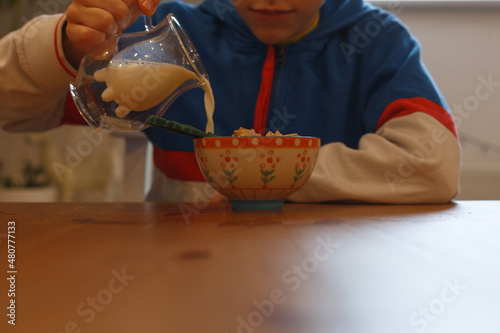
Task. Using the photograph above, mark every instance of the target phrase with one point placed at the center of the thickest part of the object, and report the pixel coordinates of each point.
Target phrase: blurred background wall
(460, 46)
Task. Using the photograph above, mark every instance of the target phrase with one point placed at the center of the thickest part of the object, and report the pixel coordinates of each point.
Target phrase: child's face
(276, 21)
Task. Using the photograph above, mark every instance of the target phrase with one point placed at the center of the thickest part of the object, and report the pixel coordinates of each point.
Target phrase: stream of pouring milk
(139, 86)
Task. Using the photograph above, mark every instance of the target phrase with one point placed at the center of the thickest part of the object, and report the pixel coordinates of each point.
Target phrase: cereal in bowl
(251, 132)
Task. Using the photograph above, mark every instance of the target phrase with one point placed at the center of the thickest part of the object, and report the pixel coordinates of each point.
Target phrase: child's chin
(272, 39)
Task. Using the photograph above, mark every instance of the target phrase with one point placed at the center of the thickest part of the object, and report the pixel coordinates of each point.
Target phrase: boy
(341, 70)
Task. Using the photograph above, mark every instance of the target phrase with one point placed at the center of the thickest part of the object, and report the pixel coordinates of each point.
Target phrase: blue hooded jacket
(359, 68)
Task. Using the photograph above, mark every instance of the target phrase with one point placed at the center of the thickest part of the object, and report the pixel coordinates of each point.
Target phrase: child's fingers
(92, 19)
(108, 16)
(92, 25)
(119, 9)
(84, 38)
(148, 7)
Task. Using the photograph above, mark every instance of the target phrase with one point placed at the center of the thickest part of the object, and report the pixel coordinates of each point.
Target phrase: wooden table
(129, 267)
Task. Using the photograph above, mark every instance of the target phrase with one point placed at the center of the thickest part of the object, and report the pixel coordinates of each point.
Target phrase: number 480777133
(11, 231)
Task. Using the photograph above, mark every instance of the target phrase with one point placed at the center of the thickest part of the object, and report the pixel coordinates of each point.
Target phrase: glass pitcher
(142, 77)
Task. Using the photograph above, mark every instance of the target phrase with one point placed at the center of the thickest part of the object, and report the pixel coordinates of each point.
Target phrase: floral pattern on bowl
(257, 168)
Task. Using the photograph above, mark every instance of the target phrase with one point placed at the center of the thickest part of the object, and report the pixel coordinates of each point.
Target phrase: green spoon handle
(176, 127)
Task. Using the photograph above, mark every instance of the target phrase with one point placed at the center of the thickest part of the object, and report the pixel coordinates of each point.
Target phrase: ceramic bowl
(257, 172)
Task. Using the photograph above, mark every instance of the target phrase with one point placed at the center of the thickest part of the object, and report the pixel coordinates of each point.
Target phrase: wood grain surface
(152, 267)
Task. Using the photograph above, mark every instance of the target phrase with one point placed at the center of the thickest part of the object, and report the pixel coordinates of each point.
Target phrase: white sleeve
(34, 75)
(410, 159)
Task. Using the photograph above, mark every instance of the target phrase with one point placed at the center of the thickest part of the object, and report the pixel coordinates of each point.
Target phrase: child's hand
(92, 25)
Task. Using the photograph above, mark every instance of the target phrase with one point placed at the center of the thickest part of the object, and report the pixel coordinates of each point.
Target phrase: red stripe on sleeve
(58, 56)
(406, 106)
(266, 86)
(180, 165)
(71, 115)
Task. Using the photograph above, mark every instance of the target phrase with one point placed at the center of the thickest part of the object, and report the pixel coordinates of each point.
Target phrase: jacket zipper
(280, 59)
(278, 76)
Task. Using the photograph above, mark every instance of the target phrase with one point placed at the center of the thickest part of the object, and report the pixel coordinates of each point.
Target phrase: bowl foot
(256, 204)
